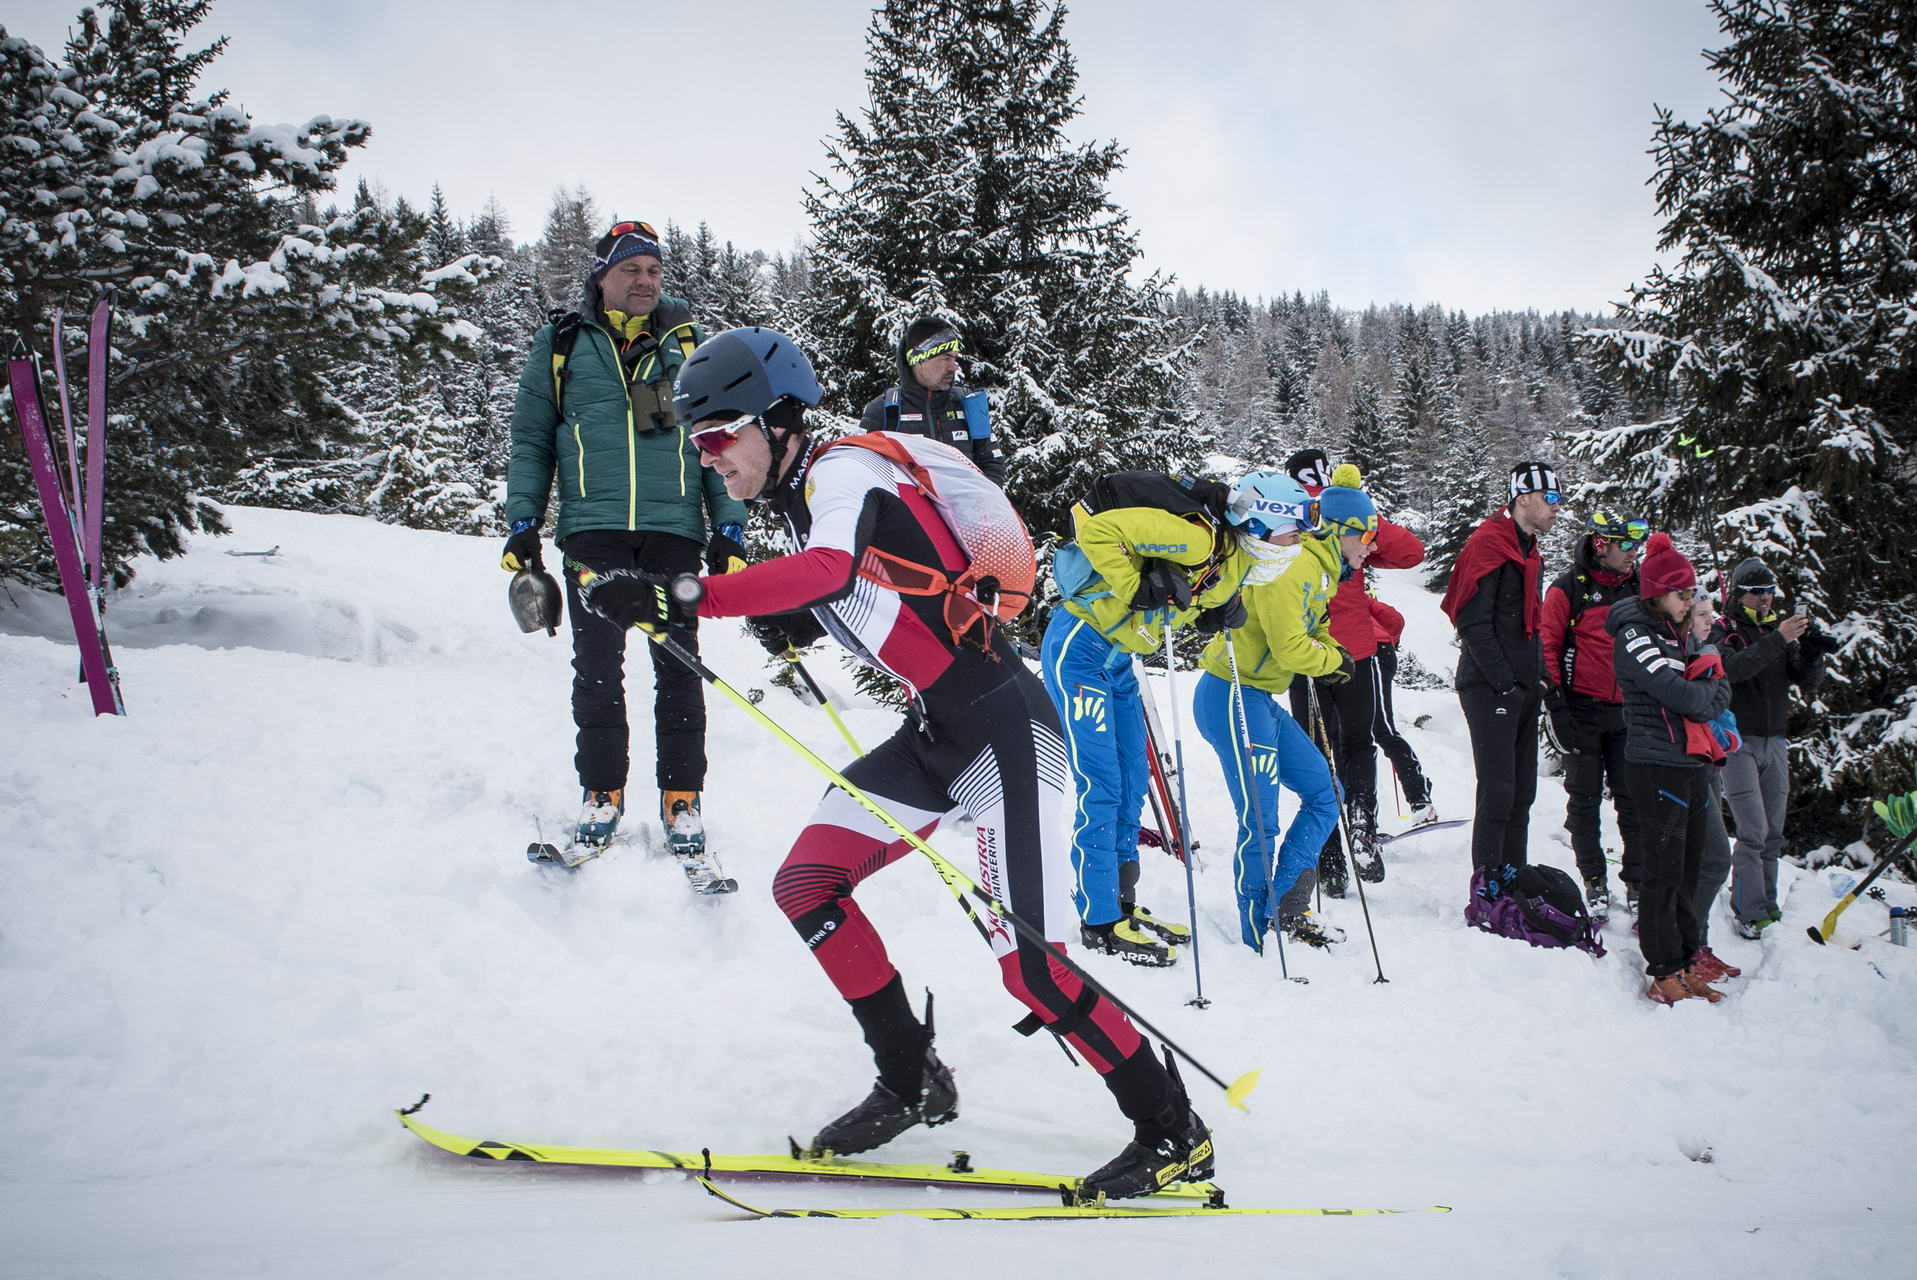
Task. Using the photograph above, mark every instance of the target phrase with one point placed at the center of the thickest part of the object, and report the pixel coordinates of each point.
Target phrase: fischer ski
(1067, 1209)
(959, 1173)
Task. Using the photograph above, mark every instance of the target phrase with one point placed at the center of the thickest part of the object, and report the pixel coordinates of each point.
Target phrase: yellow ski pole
(818, 695)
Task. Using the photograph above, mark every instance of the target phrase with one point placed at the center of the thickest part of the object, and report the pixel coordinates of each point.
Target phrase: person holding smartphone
(1765, 654)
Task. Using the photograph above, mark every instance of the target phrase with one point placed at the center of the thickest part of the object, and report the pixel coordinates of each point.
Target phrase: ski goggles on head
(943, 343)
(1628, 534)
(713, 441)
(624, 240)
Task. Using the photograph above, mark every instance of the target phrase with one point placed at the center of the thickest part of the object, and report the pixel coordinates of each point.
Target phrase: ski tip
(1241, 1088)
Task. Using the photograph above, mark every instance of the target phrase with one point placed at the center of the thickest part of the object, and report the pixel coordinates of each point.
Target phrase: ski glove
(1225, 617)
(522, 548)
(1346, 669)
(770, 632)
(650, 601)
(724, 553)
(1161, 585)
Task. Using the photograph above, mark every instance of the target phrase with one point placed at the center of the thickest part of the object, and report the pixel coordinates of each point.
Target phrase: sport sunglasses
(714, 441)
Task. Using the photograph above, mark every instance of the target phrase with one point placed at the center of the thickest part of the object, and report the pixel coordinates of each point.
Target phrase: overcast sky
(1476, 153)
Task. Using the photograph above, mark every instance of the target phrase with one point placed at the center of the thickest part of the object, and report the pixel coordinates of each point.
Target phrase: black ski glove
(1224, 617)
(724, 552)
(1559, 724)
(1346, 669)
(1161, 585)
(522, 548)
(769, 631)
(650, 601)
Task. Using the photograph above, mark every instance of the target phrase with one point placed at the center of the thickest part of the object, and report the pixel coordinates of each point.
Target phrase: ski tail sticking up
(24, 379)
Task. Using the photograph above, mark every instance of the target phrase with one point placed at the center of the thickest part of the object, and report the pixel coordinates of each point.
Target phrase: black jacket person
(931, 401)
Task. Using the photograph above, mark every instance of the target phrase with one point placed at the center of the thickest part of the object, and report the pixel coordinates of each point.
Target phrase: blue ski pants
(1092, 683)
(1281, 753)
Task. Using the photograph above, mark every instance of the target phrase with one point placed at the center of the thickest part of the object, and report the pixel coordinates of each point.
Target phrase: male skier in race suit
(982, 739)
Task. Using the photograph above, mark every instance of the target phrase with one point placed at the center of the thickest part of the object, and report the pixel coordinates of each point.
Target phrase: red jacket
(1590, 591)
(1388, 622)
(1351, 621)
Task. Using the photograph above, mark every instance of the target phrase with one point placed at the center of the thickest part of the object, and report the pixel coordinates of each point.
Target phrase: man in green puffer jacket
(598, 419)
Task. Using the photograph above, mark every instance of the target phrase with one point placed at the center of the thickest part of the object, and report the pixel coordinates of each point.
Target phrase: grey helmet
(746, 372)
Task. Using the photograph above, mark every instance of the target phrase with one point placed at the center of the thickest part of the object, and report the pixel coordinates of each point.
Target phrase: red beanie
(1664, 568)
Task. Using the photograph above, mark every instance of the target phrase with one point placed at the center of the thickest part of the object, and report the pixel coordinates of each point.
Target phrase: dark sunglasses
(1759, 591)
(714, 441)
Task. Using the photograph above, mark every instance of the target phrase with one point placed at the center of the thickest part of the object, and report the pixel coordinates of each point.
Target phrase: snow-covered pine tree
(565, 248)
(116, 169)
(445, 241)
(1777, 352)
(425, 480)
(957, 193)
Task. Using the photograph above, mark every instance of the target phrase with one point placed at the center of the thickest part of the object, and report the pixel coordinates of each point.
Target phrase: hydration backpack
(997, 585)
(1539, 905)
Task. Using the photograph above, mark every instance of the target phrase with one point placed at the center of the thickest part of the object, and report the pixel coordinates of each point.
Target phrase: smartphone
(1801, 608)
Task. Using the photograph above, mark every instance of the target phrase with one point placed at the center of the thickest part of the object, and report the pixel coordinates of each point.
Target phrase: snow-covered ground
(287, 894)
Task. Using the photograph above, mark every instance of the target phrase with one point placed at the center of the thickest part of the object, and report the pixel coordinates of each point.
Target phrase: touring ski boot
(888, 1111)
(1423, 815)
(685, 830)
(1124, 939)
(599, 817)
(1311, 931)
(1331, 870)
(1597, 898)
(1147, 924)
(1366, 855)
(1174, 1146)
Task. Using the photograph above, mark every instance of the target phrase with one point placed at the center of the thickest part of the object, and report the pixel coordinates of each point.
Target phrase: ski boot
(1630, 897)
(1173, 1147)
(884, 1115)
(599, 817)
(1331, 871)
(1124, 939)
(1423, 815)
(1311, 931)
(1148, 925)
(686, 840)
(1597, 898)
(1366, 855)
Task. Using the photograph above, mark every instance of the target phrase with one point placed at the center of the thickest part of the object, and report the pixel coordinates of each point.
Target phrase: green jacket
(1118, 541)
(1287, 627)
(621, 457)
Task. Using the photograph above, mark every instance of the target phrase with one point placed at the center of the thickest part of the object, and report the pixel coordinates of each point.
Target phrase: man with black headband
(595, 414)
(931, 401)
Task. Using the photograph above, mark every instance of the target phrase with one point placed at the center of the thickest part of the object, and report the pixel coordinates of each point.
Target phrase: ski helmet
(1266, 502)
(744, 372)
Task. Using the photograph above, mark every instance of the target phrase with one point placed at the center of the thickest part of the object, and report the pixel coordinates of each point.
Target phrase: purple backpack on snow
(1540, 905)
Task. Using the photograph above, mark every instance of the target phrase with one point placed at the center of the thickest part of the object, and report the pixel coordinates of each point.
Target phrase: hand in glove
(724, 552)
(522, 548)
(1161, 585)
(1224, 617)
(1346, 669)
(1559, 724)
(650, 601)
(769, 630)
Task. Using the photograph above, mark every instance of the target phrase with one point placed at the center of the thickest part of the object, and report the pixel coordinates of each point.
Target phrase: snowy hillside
(287, 894)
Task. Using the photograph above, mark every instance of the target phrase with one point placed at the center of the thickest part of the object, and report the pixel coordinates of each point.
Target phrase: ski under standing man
(1286, 632)
(1152, 554)
(1584, 703)
(931, 401)
(981, 739)
(1493, 599)
(595, 413)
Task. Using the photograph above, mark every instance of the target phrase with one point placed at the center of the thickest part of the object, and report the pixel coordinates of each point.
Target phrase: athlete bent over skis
(982, 739)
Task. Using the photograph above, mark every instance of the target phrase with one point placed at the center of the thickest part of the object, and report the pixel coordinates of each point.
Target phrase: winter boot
(1668, 989)
(599, 816)
(1752, 930)
(1597, 897)
(1124, 939)
(913, 1087)
(1630, 897)
(1173, 1146)
(1695, 983)
(1311, 931)
(1713, 969)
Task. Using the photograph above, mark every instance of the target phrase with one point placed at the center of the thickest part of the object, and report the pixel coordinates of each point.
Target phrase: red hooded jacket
(1396, 548)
